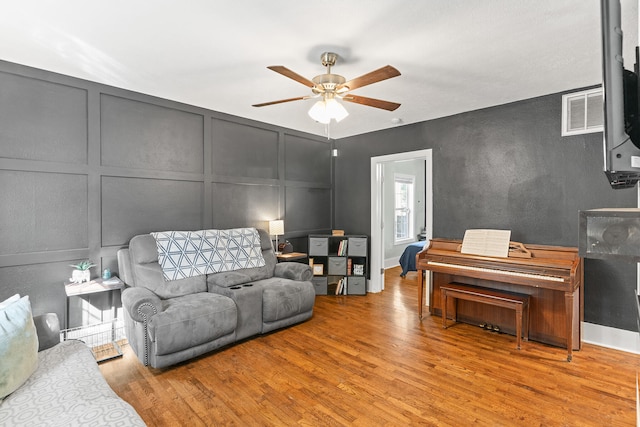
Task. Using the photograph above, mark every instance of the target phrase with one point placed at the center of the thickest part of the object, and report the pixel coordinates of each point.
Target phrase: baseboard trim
(391, 262)
(606, 336)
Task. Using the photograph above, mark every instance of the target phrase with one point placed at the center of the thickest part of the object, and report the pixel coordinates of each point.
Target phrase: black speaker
(610, 234)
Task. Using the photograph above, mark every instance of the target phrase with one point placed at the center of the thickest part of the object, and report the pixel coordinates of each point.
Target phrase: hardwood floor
(369, 361)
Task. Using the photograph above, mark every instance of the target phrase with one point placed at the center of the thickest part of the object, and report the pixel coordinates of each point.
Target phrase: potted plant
(81, 272)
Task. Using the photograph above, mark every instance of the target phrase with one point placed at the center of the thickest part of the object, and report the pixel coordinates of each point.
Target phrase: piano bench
(512, 300)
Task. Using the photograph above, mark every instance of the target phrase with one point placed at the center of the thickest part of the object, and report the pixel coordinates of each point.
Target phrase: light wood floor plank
(369, 361)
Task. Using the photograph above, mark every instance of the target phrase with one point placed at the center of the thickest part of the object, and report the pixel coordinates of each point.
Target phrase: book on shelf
(358, 269)
(342, 247)
(341, 288)
(349, 266)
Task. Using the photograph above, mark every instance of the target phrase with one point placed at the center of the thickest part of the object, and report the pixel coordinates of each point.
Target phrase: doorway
(379, 200)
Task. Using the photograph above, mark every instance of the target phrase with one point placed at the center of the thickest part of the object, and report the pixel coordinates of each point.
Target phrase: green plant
(83, 266)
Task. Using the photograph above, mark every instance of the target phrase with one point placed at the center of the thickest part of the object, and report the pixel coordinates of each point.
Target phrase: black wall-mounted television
(621, 102)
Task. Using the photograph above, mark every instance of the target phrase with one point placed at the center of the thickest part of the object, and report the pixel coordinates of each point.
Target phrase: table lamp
(276, 228)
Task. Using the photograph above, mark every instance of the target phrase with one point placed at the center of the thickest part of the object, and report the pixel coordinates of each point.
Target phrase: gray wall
(84, 167)
(503, 167)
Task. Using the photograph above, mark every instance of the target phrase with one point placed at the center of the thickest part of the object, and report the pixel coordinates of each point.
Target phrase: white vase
(80, 276)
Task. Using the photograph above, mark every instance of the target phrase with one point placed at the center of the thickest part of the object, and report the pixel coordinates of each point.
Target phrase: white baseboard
(606, 336)
(391, 262)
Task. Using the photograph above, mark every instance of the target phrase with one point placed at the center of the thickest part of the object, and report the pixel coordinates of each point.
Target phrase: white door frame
(376, 282)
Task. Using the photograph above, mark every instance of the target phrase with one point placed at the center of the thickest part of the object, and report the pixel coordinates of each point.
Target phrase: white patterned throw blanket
(183, 254)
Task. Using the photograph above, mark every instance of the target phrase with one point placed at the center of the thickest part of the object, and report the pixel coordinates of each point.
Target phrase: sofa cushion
(18, 344)
(190, 320)
(284, 298)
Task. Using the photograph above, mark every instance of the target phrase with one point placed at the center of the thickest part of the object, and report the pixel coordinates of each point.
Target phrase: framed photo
(318, 269)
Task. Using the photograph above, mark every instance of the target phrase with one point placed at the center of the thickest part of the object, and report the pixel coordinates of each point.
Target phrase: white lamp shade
(336, 110)
(276, 227)
(325, 110)
(319, 113)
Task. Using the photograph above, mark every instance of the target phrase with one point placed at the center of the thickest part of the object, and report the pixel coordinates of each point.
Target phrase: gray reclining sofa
(170, 321)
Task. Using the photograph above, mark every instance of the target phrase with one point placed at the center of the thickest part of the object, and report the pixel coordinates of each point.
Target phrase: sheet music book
(486, 242)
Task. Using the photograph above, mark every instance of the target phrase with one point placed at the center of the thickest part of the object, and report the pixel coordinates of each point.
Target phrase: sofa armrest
(141, 303)
(293, 271)
(48, 330)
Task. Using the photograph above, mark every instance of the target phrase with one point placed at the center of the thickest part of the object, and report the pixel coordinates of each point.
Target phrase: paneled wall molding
(243, 180)
(44, 257)
(84, 167)
(290, 183)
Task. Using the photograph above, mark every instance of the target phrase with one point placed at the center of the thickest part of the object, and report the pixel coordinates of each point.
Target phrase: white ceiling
(454, 56)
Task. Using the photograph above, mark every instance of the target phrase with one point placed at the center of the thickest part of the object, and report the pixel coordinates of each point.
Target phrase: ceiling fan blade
(264, 104)
(372, 102)
(292, 75)
(378, 75)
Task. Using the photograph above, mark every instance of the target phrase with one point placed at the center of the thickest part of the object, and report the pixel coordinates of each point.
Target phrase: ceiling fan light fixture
(331, 87)
(326, 109)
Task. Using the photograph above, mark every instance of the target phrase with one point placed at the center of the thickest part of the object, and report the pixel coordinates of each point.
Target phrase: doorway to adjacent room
(383, 169)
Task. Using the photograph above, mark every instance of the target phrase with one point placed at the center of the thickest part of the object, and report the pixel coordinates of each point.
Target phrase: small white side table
(94, 286)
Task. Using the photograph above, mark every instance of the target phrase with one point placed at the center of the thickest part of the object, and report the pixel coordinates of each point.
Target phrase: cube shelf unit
(339, 260)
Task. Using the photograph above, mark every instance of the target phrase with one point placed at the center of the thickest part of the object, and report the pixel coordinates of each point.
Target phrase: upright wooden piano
(551, 275)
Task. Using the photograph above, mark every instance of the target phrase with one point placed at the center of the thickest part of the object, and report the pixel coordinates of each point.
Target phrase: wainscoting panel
(241, 150)
(244, 205)
(133, 206)
(44, 283)
(308, 209)
(41, 120)
(307, 160)
(141, 135)
(42, 212)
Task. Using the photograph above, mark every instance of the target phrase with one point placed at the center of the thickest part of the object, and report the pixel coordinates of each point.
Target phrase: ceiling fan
(330, 87)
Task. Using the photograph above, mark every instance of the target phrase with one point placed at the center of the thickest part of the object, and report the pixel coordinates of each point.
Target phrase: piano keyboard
(489, 270)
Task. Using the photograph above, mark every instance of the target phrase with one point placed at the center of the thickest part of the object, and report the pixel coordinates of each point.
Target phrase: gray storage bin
(318, 246)
(357, 246)
(337, 265)
(356, 285)
(320, 285)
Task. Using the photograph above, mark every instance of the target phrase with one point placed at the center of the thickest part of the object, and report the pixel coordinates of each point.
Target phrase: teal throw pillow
(18, 344)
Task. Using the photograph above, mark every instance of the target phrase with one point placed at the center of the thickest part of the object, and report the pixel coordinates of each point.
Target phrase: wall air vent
(582, 112)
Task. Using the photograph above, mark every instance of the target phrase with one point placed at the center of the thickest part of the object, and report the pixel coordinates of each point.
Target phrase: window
(403, 218)
(582, 112)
